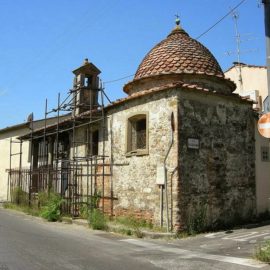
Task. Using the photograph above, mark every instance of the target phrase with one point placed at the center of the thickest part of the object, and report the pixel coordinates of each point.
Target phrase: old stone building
(179, 148)
(251, 81)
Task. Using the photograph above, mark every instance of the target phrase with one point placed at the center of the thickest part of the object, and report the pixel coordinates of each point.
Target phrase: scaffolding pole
(82, 179)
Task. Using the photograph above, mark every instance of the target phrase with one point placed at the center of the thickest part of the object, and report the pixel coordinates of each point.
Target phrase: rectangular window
(42, 153)
(94, 142)
(265, 153)
(92, 139)
(137, 134)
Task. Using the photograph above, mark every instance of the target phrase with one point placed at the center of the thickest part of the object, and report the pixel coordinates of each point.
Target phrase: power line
(116, 80)
(202, 34)
(221, 19)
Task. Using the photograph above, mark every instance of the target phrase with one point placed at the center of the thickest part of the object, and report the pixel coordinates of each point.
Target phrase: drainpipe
(161, 204)
(171, 221)
(267, 37)
(165, 173)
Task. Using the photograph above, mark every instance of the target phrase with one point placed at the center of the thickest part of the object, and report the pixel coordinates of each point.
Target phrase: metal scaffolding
(15, 181)
(57, 162)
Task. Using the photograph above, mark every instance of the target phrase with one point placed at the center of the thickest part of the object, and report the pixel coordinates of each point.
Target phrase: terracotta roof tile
(176, 53)
(192, 87)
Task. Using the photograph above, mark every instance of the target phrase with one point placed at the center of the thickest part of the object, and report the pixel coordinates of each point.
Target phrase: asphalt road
(29, 243)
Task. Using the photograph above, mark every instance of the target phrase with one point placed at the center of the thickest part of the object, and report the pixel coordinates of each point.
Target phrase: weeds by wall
(52, 207)
(19, 197)
(197, 220)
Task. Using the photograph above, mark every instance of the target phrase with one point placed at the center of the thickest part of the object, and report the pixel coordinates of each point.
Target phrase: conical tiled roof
(178, 53)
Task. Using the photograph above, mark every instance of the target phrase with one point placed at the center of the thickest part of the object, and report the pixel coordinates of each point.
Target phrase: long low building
(16, 153)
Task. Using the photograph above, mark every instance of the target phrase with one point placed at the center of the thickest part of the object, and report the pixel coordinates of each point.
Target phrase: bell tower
(85, 88)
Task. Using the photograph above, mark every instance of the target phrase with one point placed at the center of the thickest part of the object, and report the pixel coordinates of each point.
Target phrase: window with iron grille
(42, 153)
(137, 134)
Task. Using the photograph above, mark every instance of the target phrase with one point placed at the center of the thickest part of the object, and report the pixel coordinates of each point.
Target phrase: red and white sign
(264, 125)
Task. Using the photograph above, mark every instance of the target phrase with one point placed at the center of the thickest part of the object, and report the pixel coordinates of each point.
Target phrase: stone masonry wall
(134, 177)
(217, 181)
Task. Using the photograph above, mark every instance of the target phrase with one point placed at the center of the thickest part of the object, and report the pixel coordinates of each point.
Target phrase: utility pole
(267, 37)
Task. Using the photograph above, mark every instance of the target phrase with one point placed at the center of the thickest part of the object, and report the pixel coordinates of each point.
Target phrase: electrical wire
(220, 20)
(120, 79)
(202, 34)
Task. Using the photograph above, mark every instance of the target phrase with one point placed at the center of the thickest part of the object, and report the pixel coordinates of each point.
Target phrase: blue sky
(41, 42)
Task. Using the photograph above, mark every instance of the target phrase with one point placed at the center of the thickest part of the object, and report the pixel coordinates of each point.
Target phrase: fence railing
(77, 184)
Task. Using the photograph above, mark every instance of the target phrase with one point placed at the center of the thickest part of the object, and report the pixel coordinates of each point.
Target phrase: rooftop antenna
(238, 51)
(235, 16)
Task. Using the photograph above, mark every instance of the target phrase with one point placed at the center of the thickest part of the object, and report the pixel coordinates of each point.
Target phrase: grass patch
(48, 206)
(129, 225)
(262, 252)
(22, 208)
(133, 222)
(132, 225)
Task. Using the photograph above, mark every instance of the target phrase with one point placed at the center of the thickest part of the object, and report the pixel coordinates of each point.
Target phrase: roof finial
(85, 62)
(178, 28)
(177, 22)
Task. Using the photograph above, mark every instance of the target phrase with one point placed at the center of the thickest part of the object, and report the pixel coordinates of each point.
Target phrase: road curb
(139, 232)
(81, 222)
(157, 235)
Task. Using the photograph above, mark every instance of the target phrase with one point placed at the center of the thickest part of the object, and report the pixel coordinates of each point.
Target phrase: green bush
(52, 208)
(263, 252)
(43, 198)
(97, 220)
